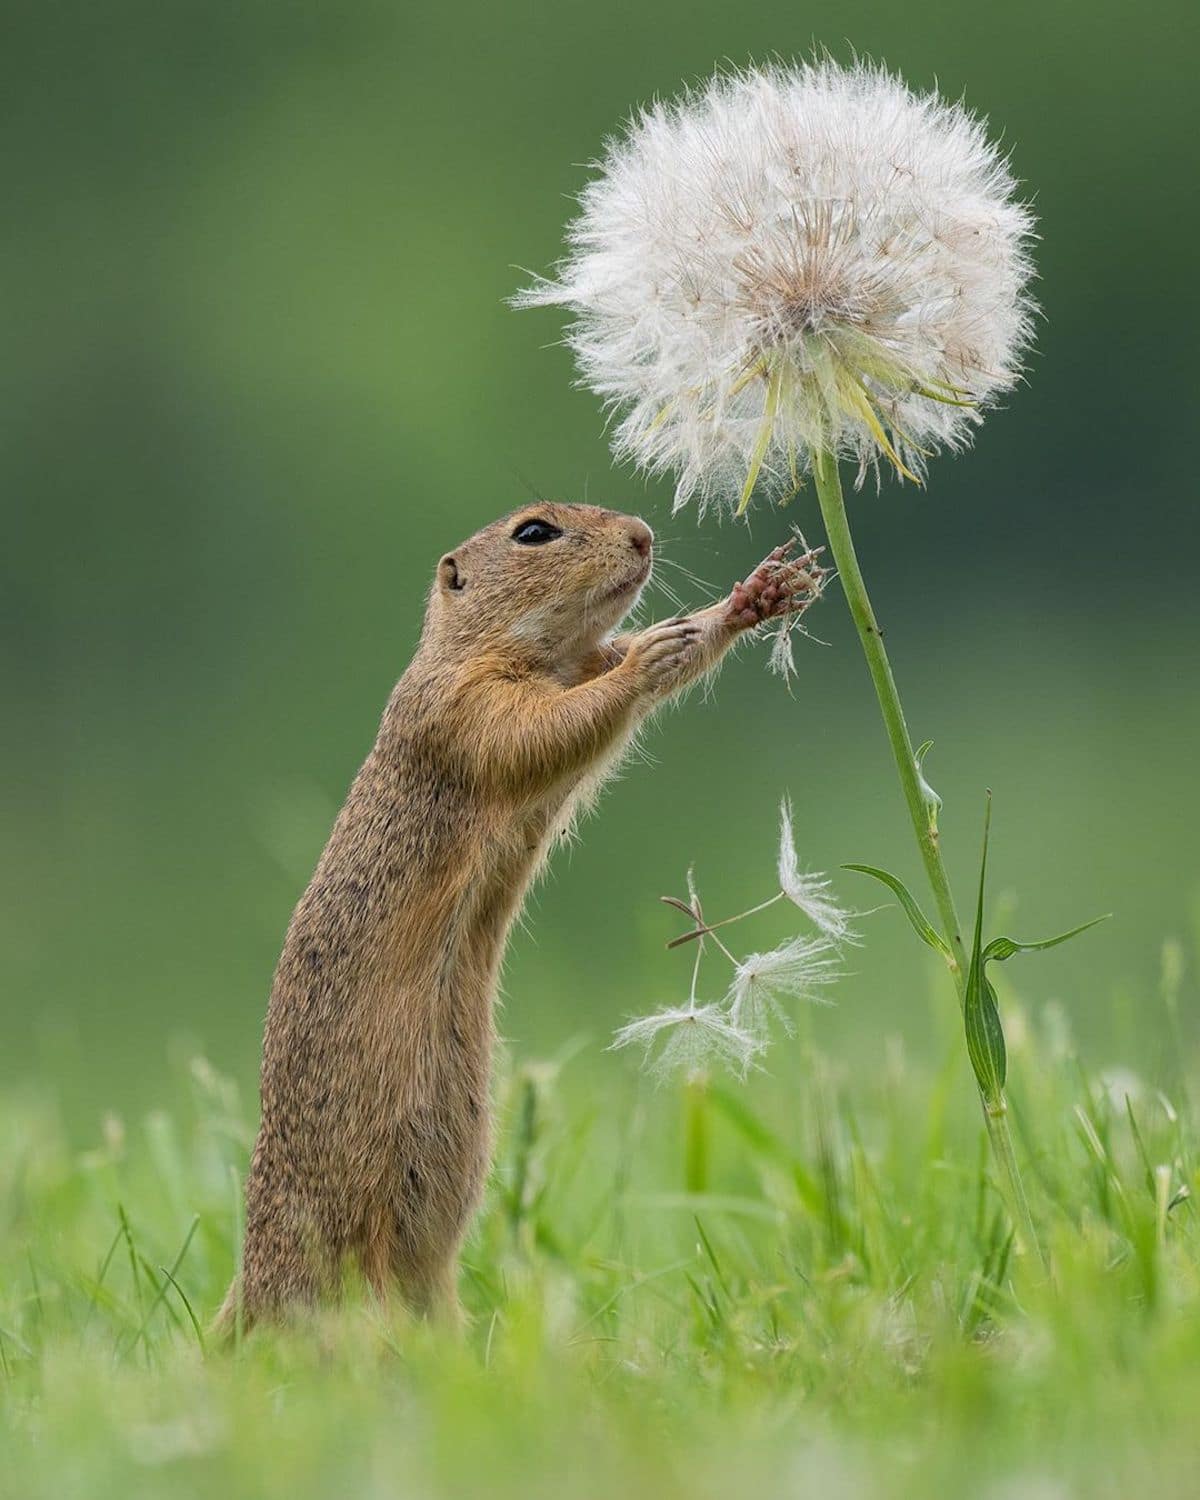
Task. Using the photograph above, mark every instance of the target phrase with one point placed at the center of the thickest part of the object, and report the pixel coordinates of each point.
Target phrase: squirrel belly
(374, 1141)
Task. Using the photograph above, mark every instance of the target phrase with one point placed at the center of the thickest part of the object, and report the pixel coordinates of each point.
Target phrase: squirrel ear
(448, 575)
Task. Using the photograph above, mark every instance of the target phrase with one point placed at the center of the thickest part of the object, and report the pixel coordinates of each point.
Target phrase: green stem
(920, 811)
(695, 1146)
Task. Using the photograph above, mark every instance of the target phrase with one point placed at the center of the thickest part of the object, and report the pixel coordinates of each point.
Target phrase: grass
(804, 1285)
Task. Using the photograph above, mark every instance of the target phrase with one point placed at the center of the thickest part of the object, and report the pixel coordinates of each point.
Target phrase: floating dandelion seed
(738, 1029)
(796, 261)
(799, 969)
(813, 894)
(782, 660)
(696, 1035)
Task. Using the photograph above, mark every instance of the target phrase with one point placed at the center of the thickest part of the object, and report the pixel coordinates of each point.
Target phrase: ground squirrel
(374, 1141)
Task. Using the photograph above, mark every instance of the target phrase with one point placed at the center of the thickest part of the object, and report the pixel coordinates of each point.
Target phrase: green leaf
(933, 803)
(981, 1017)
(985, 1041)
(920, 923)
(1002, 948)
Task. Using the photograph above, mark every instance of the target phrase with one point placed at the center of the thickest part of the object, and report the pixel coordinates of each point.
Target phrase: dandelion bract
(790, 261)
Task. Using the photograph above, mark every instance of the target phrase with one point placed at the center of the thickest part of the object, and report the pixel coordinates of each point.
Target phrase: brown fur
(374, 1141)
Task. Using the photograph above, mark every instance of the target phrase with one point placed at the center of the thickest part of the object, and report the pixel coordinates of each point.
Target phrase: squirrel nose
(641, 537)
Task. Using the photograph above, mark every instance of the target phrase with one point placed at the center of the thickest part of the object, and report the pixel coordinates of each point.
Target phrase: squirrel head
(546, 580)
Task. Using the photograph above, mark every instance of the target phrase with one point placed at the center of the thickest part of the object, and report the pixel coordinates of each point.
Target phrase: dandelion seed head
(813, 894)
(793, 260)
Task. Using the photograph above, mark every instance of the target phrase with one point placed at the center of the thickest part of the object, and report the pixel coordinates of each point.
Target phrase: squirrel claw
(780, 585)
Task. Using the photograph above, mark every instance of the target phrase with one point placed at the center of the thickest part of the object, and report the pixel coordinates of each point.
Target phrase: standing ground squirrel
(375, 1132)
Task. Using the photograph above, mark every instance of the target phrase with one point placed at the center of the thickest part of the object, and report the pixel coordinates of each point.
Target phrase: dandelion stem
(923, 816)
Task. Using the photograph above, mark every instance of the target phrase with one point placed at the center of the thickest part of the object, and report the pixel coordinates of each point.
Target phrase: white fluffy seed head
(794, 260)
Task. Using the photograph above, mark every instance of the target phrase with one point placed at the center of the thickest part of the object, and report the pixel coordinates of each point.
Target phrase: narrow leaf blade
(1002, 948)
(920, 923)
(981, 1017)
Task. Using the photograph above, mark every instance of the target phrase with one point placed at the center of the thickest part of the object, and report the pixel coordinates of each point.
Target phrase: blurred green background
(258, 373)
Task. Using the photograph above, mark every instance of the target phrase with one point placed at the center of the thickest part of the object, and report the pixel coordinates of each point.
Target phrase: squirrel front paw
(664, 654)
(780, 585)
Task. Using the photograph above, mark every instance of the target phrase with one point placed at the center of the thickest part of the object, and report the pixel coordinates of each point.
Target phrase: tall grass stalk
(695, 1161)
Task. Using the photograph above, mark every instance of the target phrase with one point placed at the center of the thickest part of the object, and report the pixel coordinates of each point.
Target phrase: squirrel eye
(536, 533)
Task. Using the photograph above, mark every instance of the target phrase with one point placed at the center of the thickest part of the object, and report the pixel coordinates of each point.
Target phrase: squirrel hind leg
(281, 1272)
(433, 1294)
(427, 1285)
(249, 1303)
